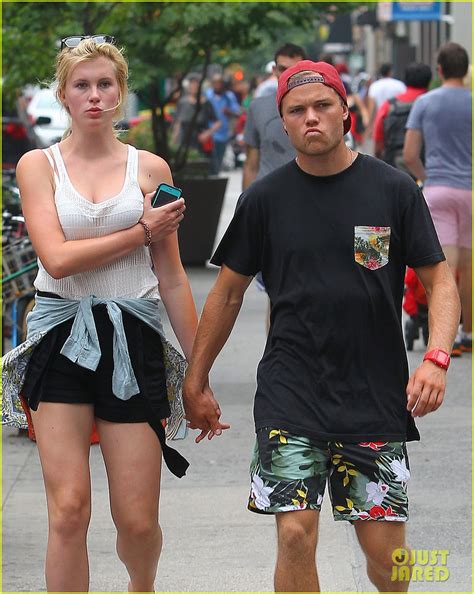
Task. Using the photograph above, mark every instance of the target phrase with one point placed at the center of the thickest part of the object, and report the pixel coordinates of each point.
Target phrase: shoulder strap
(401, 107)
(53, 165)
(132, 163)
(58, 160)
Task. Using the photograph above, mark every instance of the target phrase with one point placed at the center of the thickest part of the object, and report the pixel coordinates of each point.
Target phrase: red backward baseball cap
(323, 73)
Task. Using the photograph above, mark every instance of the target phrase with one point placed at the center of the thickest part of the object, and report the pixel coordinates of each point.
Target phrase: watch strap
(439, 357)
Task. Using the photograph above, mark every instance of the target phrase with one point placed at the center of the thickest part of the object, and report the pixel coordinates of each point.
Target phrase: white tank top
(130, 276)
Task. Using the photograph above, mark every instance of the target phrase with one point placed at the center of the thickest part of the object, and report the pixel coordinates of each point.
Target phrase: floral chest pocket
(371, 246)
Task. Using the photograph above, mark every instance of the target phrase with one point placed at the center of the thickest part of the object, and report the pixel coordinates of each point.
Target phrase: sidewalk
(211, 542)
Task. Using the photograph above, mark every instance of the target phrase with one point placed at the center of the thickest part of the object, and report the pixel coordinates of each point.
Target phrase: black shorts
(52, 377)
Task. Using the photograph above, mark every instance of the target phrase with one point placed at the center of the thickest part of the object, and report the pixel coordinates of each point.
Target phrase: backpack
(394, 133)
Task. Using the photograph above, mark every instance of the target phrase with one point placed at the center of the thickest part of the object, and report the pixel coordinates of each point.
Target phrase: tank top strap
(54, 167)
(132, 163)
(58, 159)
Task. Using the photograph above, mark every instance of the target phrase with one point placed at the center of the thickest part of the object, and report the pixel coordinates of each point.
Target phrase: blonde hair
(88, 49)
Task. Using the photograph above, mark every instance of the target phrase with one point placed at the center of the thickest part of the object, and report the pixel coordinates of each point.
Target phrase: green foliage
(140, 136)
(168, 37)
(31, 32)
(161, 39)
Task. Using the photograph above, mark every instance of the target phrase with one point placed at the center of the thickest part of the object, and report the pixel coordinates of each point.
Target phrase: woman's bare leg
(132, 455)
(63, 434)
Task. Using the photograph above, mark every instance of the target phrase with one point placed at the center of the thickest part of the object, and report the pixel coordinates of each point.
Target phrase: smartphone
(165, 194)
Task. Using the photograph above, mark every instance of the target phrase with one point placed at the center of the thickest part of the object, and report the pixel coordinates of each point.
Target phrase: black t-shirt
(333, 252)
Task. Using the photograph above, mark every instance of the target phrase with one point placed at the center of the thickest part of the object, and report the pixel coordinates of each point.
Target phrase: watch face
(438, 357)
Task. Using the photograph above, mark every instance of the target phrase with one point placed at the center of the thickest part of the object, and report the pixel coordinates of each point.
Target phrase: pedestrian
(326, 57)
(332, 232)
(267, 146)
(266, 143)
(385, 87)
(357, 108)
(391, 118)
(269, 85)
(226, 107)
(201, 126)
(440, 124)
(99, 349)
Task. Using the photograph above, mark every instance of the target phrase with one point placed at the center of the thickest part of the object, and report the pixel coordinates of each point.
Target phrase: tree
(161, 39)
(31, 33)
(172, 37)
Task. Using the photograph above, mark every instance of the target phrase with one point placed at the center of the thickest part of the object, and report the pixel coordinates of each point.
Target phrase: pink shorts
(451, 211)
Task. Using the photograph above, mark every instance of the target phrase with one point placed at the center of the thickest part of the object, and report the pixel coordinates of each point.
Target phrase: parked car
(47, 117)
(16, 139)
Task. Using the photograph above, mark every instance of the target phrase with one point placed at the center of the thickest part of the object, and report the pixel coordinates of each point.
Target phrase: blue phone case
(165, 194)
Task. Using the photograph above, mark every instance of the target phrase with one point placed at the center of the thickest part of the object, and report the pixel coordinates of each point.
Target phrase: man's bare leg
(296, 562)
(378, 541)
(465, 287)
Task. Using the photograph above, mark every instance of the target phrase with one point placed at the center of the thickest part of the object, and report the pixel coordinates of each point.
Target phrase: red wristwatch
(438, 357)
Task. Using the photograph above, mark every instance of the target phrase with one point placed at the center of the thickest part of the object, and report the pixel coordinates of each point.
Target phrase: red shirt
(407, 97)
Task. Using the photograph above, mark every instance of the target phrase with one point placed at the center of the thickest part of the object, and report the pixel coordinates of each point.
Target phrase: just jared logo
(420, 565)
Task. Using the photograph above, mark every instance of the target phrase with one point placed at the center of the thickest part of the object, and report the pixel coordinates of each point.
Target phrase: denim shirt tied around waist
(82, 347)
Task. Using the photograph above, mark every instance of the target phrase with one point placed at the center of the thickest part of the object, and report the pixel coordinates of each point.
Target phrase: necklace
(352, 155)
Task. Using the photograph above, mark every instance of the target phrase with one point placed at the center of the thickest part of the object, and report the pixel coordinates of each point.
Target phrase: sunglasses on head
(75, 40)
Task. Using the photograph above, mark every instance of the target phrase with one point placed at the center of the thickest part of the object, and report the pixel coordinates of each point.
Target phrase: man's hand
(425, 389)
(202, 411)
(218, 317)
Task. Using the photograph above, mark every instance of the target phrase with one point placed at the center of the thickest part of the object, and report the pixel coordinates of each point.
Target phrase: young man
(391, 118)
(267, 145)
(386, 86)
(332, 233)
(441, 121)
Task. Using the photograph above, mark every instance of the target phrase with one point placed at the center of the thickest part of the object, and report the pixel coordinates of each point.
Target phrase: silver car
(47, 117)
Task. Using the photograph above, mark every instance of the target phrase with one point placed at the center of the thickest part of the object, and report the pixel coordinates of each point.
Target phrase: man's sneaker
(466, 344)
(457, 350)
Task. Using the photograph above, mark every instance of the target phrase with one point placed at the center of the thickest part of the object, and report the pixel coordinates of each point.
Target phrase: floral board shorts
(367, 481)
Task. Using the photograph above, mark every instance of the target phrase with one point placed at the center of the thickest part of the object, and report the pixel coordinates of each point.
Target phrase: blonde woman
(102, 354)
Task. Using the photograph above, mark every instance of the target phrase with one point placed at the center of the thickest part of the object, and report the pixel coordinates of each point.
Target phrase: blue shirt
(220, 102)
(444, 118)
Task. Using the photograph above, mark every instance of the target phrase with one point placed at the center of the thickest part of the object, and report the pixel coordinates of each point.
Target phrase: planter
(204, 197)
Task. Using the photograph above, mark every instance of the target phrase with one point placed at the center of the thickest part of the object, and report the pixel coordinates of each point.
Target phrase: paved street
(211, 542)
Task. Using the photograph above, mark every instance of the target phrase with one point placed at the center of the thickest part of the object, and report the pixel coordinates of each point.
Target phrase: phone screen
(165, 194)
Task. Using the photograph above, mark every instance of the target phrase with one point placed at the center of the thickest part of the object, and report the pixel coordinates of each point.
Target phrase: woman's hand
(202, 410)
(162, 220)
